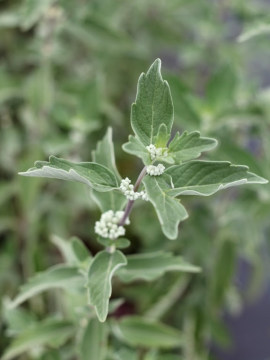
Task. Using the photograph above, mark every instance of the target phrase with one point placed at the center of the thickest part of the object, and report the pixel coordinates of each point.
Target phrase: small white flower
(108, 227)
(153, 170)
(156, 152)
(128, 190)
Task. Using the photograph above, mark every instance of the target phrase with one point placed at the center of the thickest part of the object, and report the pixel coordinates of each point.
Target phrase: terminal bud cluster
(156, 152)
(108, 227)
(153, 170)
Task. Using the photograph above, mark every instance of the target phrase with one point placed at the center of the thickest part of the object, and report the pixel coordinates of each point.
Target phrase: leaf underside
(92, 174)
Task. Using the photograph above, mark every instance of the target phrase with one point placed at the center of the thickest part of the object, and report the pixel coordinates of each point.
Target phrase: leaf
(17, 319)
(93, 341)
(189, 146)
(100, 275)
(104, 155)
(68, 249)
(259, 29)
(32, 11)
(207, 177)
(80, 250)
(151, 266)
(223, 269)
(169, 211)
(135, 147)
(38, 335)
(137, 331)
(60, 276)
(94, 175)
(153, 105)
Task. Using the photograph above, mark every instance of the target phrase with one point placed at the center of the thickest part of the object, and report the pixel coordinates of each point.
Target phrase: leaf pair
(151, 120)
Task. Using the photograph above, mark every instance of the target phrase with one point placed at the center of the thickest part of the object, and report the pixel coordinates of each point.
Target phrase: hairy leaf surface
(207, 177)
(135, 147)
(100, 275)
(153, 265)
(104, 155)
(38, 335)
(92, 174)
(138, 331)
(60, 276)
(188, 146)
(169, 210)
(153, 105)
(93, 341)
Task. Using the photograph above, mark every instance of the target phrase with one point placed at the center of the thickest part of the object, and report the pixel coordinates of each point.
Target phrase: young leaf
(140, 332)
(135, 147)
(60, 276)
(207, 177)
(104, 155)
(93, 341)
(100, 275)
(163, 136)
(189, 146)
(169, 211)
(38, 335)
(153, 105)
(153, 265)
(94, 175)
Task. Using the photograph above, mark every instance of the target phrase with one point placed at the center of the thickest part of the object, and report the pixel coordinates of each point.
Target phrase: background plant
(66, 72)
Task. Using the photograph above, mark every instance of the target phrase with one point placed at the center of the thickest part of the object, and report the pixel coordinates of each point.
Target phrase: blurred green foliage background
(69, 69)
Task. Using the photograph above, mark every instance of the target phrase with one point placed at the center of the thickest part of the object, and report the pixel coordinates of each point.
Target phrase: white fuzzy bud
(128, 190)
(153, 170)
(108, 227)
(156, 152)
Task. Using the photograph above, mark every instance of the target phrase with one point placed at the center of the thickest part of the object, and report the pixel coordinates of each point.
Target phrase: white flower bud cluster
(128, 190)
(108, 227)
(156, 152)
(153, 170)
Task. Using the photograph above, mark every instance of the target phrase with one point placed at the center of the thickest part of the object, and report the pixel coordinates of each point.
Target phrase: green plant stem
(131, 202)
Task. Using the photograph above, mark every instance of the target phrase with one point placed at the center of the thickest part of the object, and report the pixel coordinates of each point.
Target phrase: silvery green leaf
(104, 155)
(207, 177)
(153, 105)
(93, 341)
(162, 137)
(256, 30)
(72, 252)
(169, 210)
(100, 275)
(135, 147)
(94, 175)
(151, 266)
(188, 146)
(60, 276)
(140, 332)
(39, 335)
(32, 11)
